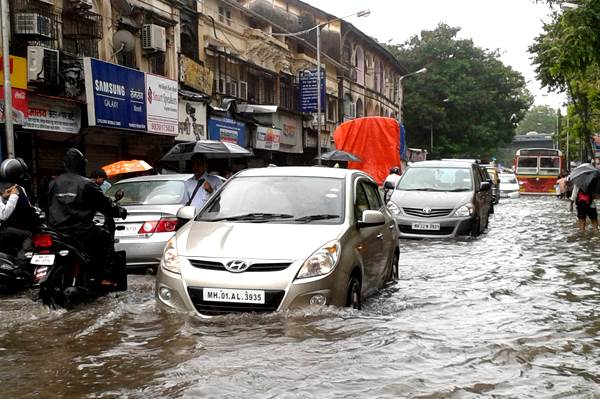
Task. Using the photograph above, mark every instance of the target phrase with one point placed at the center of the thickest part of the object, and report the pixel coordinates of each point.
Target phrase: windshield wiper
(455, 190)
(418, 189)
(255, 216)
(310, 218)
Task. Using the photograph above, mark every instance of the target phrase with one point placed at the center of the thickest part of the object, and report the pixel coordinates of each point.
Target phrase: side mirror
(371, 219)
(186, 213)
(388, 185)
(119, 195)
(485, 186)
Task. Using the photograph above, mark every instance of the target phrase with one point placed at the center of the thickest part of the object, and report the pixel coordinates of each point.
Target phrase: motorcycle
(66, 276)
(12, 279)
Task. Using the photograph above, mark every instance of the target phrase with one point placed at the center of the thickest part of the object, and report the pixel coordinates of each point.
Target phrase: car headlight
(393, 208)
(321, 262)
(170, 260)
(465, 210)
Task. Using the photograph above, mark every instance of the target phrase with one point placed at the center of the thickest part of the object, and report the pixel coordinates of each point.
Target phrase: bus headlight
(465, 210)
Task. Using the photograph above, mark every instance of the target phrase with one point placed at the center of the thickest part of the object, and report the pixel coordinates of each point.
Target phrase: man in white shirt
(393, 178)
(200, 186)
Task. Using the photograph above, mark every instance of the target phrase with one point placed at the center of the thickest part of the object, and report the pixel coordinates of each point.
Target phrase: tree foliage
(539, 118)
(467, 100)
(567, 59)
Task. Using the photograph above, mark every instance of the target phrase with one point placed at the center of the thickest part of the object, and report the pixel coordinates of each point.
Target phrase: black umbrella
(339, 155)
(210, 148)
(586, 177)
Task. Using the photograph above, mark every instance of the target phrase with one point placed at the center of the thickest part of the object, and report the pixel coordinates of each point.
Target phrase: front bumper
(282, 290)
(449, 226)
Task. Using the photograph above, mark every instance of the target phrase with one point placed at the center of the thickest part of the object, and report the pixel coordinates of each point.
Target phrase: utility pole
(8, 114)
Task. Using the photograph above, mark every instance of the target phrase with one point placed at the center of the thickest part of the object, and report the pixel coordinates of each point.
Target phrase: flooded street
(513, 314)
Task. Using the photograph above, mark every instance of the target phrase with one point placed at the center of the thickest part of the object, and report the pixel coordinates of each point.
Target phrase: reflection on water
(514, 313)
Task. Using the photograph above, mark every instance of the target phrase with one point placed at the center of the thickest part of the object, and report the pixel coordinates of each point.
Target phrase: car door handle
(380, 236)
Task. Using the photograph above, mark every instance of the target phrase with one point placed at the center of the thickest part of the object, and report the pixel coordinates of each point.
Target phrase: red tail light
(42, 240)
(167, 225)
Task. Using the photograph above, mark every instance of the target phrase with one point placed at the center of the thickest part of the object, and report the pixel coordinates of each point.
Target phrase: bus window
(549, 166)
(527, 165)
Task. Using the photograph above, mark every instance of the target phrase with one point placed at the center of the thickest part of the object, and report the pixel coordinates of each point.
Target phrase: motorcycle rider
(17, 217)
(73, 200)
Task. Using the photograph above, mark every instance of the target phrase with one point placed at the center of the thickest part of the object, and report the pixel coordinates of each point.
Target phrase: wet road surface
(513, 314)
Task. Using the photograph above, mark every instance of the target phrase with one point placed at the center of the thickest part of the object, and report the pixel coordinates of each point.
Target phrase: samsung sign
(115, 95)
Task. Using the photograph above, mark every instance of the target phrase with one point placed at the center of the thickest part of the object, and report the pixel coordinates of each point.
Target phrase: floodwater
(512, 314)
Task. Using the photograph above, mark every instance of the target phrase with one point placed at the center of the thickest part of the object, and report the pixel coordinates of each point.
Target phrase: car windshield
(436, 179)
(278, 199)
(154, 192)
(508, 179)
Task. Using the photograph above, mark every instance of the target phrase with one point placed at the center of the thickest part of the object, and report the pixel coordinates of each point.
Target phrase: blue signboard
(308, 91)
(115, 95)
(227, 129)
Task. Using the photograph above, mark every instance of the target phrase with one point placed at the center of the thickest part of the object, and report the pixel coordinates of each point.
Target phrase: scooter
(65, 275)
(12, 279)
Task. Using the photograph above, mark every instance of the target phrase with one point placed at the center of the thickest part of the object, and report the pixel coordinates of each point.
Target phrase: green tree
(539, 118)
(468, 100)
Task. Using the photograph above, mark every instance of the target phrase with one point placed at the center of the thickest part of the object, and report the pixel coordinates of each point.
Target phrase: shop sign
(115, 95)
(192, 121)
(309, 87)
(267, 138)
(291, 133)
(20, 108)
(18, 72)
(195, 75)
(161, 108)
(53, 116)
(227, 129)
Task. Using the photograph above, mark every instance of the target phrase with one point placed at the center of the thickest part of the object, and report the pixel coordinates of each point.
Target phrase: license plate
(236, 296)
(46, 260)
(127, 229)
(425, 226)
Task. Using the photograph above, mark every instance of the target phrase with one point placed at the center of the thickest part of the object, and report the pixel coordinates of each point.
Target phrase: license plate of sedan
(127, 229)
(426, 226)
(236, 296)
(44, 260)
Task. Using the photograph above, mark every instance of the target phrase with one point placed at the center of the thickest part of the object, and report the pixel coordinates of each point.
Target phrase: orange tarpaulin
(375, 140)
(121, 167)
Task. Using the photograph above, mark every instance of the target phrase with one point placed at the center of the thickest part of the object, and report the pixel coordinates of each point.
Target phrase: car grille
(443, 231)
(209, 308)
(255, 267)
(435, 213)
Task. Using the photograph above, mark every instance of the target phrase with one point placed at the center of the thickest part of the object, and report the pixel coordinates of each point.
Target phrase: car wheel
(476, 227)
(393, 275)
(353, 298)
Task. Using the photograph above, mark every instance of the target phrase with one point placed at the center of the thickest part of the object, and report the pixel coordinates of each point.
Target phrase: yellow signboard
(195, 75)
(18, 72)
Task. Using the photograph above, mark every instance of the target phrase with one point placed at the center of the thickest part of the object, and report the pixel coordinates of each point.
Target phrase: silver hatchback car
(278, 238)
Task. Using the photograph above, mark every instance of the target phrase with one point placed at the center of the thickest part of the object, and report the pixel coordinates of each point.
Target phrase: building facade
(126, 79)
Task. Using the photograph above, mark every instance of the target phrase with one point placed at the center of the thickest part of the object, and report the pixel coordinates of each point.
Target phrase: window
(286, 92)
(225, 15)
(347, 53)
(549, 166)
(157, 63)
(332, 110)
(360, 109)
(349, 107)
(527, 165)
(359, 63)
(372, 192)
(361, 202)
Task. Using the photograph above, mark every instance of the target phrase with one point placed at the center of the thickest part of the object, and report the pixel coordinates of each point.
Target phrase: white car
(509, 185)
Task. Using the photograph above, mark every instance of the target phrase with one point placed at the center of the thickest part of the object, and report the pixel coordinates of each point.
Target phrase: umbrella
(586, 177)
(339, 155)
(210, 148)
(121, 167)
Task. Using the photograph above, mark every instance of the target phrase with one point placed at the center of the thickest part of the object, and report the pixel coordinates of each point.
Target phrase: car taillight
(166, 225)
(42, 241)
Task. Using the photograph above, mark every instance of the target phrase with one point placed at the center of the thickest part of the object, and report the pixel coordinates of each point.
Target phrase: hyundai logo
(426, 211)
(236, 266)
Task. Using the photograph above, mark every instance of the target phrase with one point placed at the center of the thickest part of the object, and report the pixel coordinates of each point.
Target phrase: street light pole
(363, 13)
(8, 121)
(401, 91)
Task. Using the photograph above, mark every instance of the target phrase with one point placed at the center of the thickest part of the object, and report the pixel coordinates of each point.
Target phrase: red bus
(538, 169)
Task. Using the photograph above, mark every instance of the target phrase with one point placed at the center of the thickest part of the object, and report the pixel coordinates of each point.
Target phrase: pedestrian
(393, 178)
(201, 185)
(101, 179)
(585, 203)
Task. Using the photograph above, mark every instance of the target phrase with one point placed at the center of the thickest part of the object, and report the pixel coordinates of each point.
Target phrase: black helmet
(395, 170)
(74, 161)
(13, 170)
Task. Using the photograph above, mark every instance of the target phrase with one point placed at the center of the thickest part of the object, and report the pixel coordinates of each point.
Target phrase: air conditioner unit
(243, 90)
(33, 24)
(154, 38)
(42, 65)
